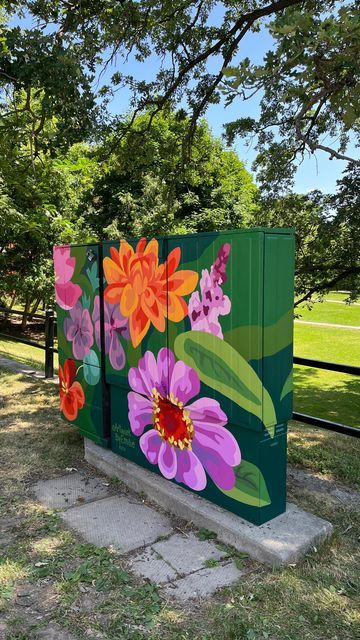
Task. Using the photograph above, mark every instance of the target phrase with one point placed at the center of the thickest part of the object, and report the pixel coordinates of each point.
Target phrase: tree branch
(329, 284)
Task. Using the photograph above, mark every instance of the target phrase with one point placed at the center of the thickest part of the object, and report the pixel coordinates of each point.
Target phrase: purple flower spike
(204, 312)
(186, 441)
(115, 325)
(79, 330)
(218, 269)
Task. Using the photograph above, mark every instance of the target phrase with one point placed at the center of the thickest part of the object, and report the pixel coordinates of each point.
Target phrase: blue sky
(315, 172)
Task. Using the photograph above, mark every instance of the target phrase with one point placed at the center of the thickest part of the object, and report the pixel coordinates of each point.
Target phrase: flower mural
(206, 307)
(72, 396)
(187, 439)
(115, 325)
(79, 330)
(67, 293)
(147, 292)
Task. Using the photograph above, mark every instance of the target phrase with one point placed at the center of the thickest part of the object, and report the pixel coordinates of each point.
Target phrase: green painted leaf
(256, 341)
(92, 274)
(221, 367)
(85, 301)
(250, 486)
(288, 386)
(91, 368)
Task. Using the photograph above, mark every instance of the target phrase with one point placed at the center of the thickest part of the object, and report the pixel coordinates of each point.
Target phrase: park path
(329, 324)
(355, 304)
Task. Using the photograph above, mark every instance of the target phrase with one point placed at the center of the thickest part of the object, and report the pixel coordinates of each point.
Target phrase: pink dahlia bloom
(206, 307)
(115, 325)
(187, 438)
(66, 292)
(78, 329)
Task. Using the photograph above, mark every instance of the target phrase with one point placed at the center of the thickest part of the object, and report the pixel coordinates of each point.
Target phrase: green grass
(327, 394)
(331, 312)
(24, 353)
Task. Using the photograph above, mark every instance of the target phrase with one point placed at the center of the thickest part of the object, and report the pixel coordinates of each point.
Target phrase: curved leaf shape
(288, 386)
(221, 367)
(91, 368)
(250, 486)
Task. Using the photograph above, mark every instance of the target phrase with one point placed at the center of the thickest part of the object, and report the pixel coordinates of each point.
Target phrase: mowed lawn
(335, 396)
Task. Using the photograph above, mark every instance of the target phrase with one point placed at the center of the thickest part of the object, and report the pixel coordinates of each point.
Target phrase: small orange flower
(72, 396)
(147, 291)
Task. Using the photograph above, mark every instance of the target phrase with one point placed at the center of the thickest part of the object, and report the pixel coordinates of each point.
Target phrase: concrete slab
(69, 490)
(204, 583)
(148, 564)
(283, 540)
(119, 522)
(187, 553)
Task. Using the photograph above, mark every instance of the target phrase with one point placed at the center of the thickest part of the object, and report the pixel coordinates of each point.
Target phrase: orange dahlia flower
(72, 396)
(147, 292)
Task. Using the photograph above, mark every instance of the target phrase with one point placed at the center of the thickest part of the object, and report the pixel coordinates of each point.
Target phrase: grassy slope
(24, 353)
(331, 312)
(326, 394)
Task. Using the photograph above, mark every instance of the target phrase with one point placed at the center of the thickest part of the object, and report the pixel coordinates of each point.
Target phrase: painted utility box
(177, 351)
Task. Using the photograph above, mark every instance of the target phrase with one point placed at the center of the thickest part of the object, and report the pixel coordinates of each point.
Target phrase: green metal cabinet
(186, 358)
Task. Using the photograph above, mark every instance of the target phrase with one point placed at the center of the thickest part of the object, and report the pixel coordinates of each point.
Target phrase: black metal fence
(48, 347)
(49, 324)
(320, 422)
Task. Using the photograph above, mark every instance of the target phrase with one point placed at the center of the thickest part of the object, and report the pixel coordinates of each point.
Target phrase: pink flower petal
(167, 461)
(184, 382)
(116, 352)
(218, 439)
(144, 377)
(67, 295)
(150, 444)
(206, 411)
(64, 264)
(220, 472)
(140, 413)
(190, 470)
(165, 365)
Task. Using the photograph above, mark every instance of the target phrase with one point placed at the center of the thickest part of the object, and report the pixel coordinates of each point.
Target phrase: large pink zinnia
(185, 439)
(66, 292)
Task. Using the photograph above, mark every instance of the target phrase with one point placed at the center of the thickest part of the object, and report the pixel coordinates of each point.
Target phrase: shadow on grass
(339, 403)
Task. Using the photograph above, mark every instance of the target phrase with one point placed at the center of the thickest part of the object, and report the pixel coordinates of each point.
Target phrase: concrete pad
(119, 522)
(69, 490)
(148, 564)
(283, 540)
(187, 553)
(204, 583)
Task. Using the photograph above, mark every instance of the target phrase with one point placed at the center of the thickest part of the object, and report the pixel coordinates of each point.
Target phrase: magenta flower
(78, 329)
(185, 439)
(115, 325)
(66, 292)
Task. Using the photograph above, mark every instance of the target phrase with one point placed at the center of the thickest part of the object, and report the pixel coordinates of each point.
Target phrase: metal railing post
(49, 343)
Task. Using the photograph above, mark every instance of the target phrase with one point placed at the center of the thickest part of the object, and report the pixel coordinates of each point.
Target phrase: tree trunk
(25, 316)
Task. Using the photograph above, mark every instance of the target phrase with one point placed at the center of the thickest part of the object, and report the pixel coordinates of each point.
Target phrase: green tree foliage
(308, 83)
(327, 236)
(144, 187)
(38, 199)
